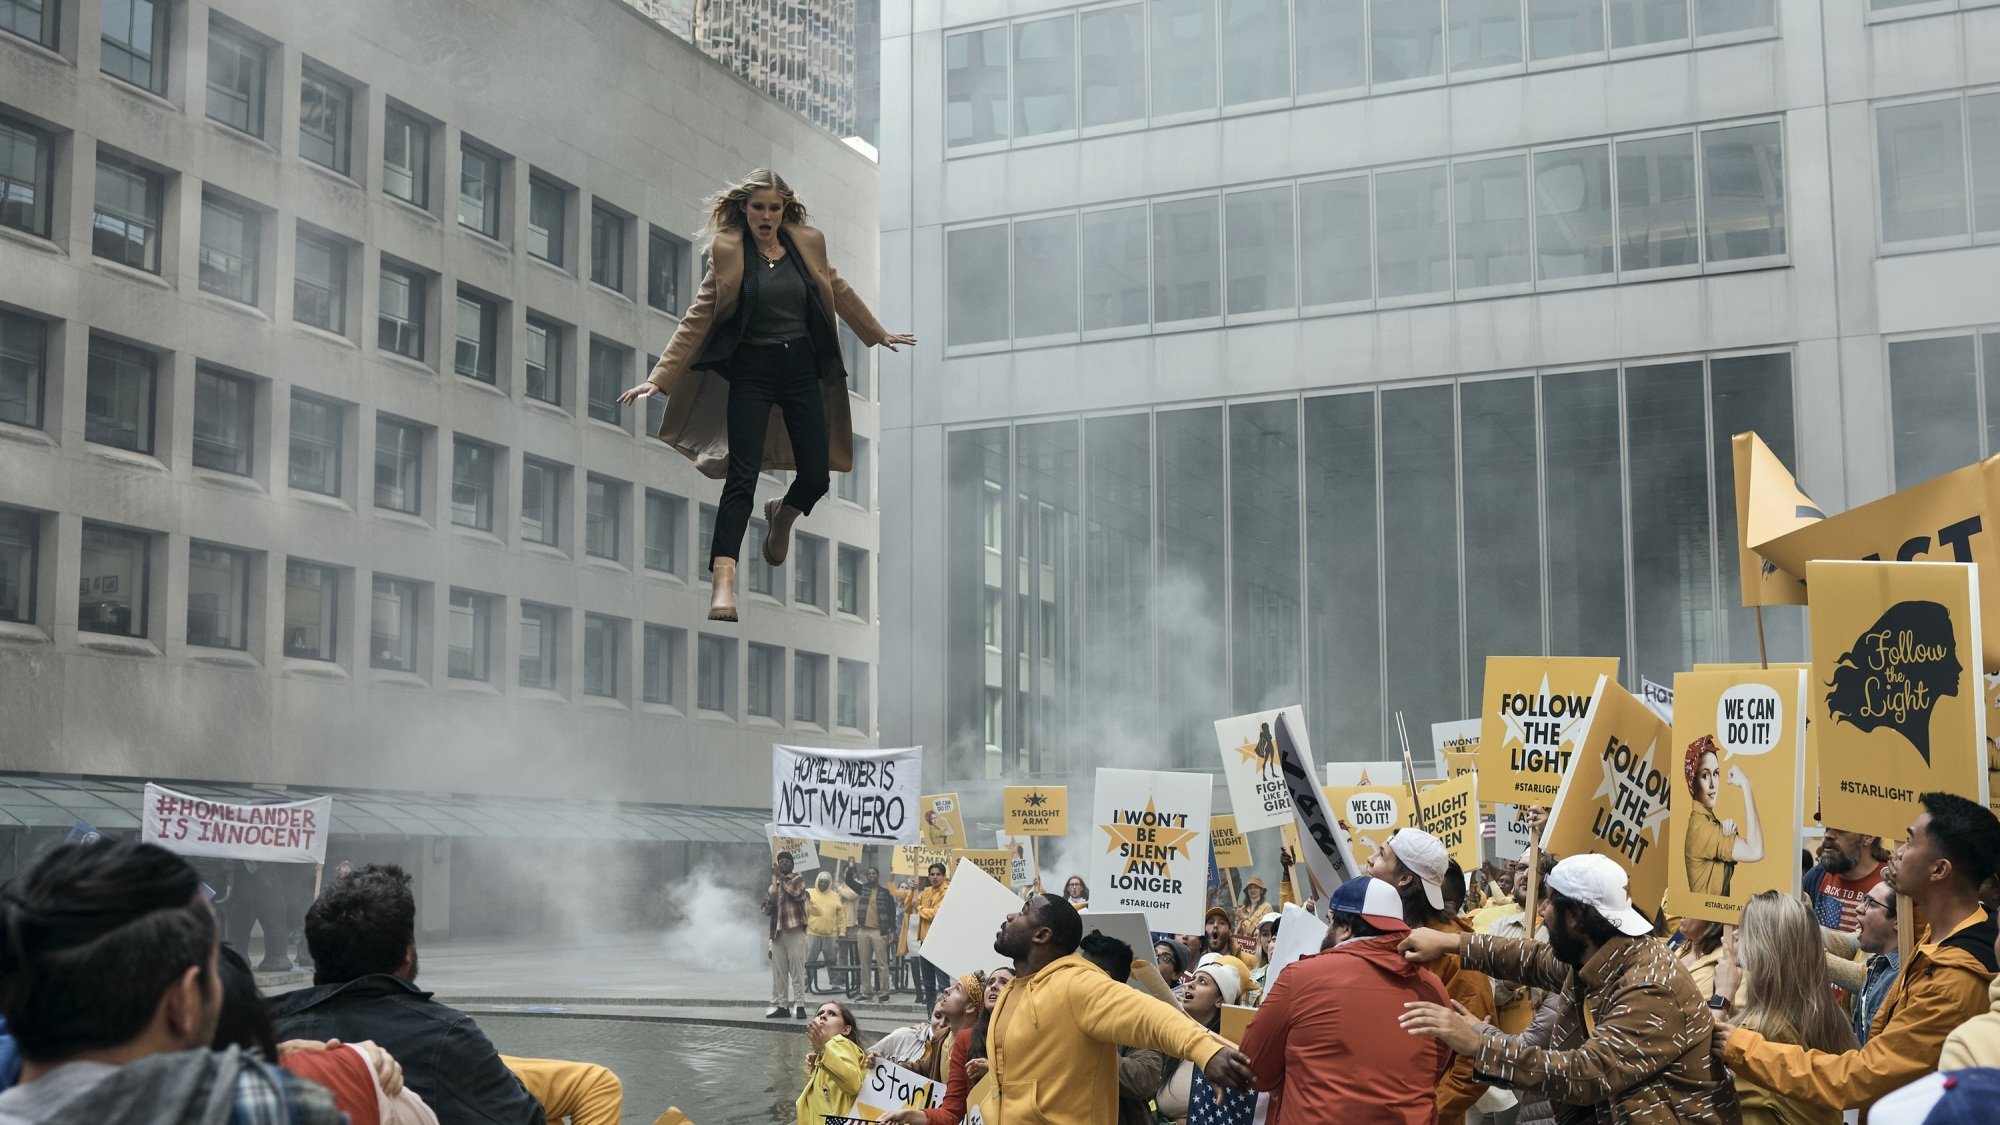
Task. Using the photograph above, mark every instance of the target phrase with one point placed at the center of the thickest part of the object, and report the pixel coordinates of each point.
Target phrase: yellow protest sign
(1036, 810)
(1903, 710)
(849, 850)
(943, 821)
(1232, 849)
(1615, 797)
(1993, 742)
(1447, 810)
(1741, 740)
(915, 861)
(1460, 765)
(1768, 505)
(1372, 812)
(1532, 708)
(993, 861)
(1809, 819)
(1942, 520)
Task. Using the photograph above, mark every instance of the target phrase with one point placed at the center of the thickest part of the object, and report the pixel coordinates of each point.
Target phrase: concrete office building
(1312, 351)
(815, 56)
(311, 322)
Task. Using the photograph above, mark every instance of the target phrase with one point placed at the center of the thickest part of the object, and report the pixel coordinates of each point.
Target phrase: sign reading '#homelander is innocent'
(286, 832)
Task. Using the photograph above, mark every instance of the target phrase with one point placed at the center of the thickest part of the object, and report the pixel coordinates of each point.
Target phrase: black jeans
(762, 376)
(931, 982)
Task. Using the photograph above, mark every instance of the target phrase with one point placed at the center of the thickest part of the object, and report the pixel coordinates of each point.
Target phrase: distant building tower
(803, 53)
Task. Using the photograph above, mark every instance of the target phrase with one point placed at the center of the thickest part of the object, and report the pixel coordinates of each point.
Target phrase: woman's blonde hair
(1788, 996)
(725, 207)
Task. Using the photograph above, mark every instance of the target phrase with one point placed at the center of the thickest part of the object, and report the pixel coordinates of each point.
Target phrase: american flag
(1237, 1107)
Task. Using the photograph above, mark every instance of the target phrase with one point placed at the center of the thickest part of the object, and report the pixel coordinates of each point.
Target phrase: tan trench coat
(696, 420)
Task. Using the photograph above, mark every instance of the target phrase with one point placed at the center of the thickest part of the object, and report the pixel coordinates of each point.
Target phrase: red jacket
(952, 1110)
(1326, 1044)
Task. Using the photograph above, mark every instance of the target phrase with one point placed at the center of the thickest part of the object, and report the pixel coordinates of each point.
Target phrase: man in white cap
(1432, 887)
(1313, 1044)
(1646, 1054)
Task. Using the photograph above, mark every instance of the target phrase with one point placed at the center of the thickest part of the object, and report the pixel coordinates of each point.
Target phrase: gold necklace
(770, 263)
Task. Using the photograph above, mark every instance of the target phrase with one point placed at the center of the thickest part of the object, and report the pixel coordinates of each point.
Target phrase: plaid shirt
(266, 1095)
(785, 902)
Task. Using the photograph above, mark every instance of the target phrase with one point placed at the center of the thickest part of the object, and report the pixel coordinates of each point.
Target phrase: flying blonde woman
(753, 375)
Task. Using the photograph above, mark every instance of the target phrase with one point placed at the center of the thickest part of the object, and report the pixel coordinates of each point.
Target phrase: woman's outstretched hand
(892, 339)
(637, 393)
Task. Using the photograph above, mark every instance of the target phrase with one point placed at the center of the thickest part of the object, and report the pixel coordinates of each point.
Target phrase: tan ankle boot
(722, 594)
(778, 518)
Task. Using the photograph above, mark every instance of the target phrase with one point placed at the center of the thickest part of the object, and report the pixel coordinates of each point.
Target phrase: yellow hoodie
(1053, 1044)
(1977, 1040)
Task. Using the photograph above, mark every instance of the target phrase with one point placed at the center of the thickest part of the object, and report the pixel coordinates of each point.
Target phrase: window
(472, 464)
(1330, 46)
(235, 79)
(1573, 212)
(115, 580)
(469, 651)
(1114, 65)
(1934, 394)
(1045, 276)
(1044, 76)
(603, 647)
(319, 282)
(406, 158)
(135, 42)
(758, 576)
(478, 337)
(855, 359)
(666, 520)
(548, 206)
(715, 667)
(850, 701)
(400, 326)
(125, 226)
(1743, 191)
(610, 367)
(1254, 32)
(392, 625)
(20, 546)
(808, 570)
(975, 87)
(318, 435)
(24, 359)
(1921, 158)
(765, 669)
(1187, 259)
(229, 244)
(479, 199)
(1334, 237)
(399, 465)
(666, 272)
(661, 667)
(118, 402)
(1656, 210)
(27, 172)
(707, 531)
(541, 502)
(1412, 238)
(543, 376)
(851, 580)
(312, 610)
(218, 605)
(1483, 34)
(1637, 23)
(852, 486)
(225, 421)
(1183, 56)
(326, 119)
(604, 517)
(607, 247)
(1406, 40)
(1560, 29)
(976, 283)
(34, 20)
(1259, 250)
(1115, 280)
(809, 688)
(1490, 213)
(541, 626)
(1720, 17)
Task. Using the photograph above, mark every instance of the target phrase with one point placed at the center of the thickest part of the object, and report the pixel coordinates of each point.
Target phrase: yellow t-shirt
(1708, 852)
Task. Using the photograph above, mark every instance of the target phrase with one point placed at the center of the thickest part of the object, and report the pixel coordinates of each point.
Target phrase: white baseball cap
(1425, 857)
(1599, 883)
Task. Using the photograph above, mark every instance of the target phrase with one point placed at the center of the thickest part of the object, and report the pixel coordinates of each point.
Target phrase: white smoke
(716, 928)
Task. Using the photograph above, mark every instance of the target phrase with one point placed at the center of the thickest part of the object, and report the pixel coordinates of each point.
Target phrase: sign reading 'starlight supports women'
(1896, 690)
(1151, 853)
(1740, 740)
(1534, 706)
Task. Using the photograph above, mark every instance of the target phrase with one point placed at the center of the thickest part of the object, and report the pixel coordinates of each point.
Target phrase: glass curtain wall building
(1311, 353)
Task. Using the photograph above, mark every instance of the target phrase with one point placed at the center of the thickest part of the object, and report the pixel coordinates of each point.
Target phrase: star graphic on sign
(1571, 724)
(1655, 818)
(1034, 800)
(1248, 749)
(1166, 842)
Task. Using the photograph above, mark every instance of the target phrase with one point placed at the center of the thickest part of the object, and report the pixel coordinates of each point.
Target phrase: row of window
(1627, 208)
(116, 587)
(122, 400)
(1116, 67)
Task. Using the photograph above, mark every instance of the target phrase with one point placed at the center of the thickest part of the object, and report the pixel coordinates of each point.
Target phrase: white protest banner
(1328, 854)
(1461, 737)
(1021, 873)
(1299, 933)
(1154, 854)
(1512, 831)
(1658, 699)
(867, 796)
(283, 832)
(961, 936)
(805, 857)
(1365, 775)
(886, 1088)
(1250, 766)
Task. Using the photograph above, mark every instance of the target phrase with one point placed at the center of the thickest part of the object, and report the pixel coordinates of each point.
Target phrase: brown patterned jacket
(1639, 1053)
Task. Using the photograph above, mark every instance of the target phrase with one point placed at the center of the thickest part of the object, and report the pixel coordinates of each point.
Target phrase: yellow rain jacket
(832, 1084)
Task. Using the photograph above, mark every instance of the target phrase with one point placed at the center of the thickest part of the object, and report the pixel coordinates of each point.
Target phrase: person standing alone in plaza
(875, 931)
(785, 906)
(759, 340)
